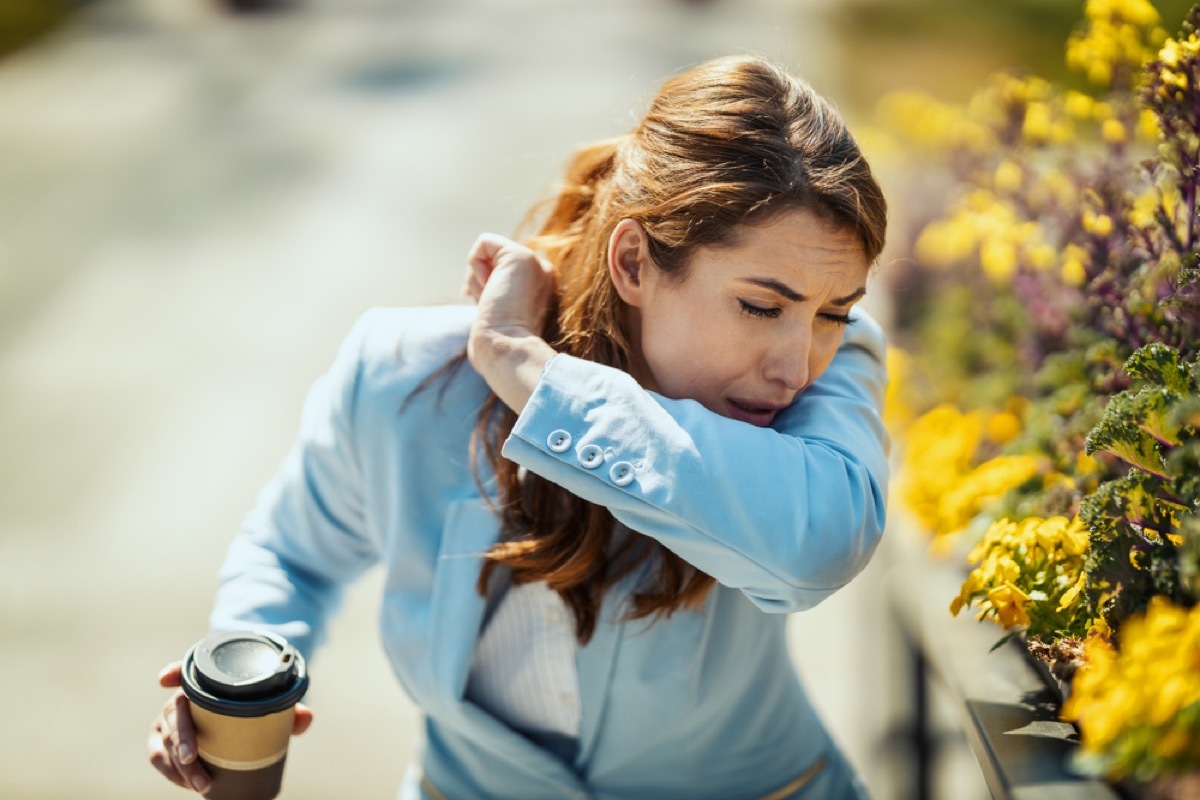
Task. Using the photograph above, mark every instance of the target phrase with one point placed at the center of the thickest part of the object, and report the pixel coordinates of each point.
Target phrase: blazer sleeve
(786, 514)
(305, 537)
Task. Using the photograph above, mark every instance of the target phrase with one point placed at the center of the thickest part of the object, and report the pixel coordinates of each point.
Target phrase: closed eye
(759, 311)
(837, 319)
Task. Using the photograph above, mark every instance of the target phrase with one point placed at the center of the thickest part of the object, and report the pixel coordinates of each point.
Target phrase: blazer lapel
(457, 607)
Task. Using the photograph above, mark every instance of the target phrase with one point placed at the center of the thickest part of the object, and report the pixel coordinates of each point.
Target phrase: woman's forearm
(510, 361)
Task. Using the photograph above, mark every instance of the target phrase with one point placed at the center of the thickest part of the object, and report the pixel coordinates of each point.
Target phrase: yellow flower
(1009, 603)
(1144, 208)
(1037, 125)
(1025, 565)
(1078, 105)
(1048, 532)
(1116, 36)
(1112, 131)
(925, 121)
(1071, 595)
(1169, 54)
(1097, 224)
(1147, 126)
(998, 257)
(1074, 270)
(1135, 696)
(1003, 427)
(1074, 539)
(1041, 256)
(939, 448)
(1008, 176)
(978, 488)
(956, 605)
(944, 243)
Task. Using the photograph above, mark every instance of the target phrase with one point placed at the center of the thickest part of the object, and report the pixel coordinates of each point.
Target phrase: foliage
(1059, 283)
(1135, 520)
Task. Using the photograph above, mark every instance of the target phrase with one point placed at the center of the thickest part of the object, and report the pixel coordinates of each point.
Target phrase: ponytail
(567, 213)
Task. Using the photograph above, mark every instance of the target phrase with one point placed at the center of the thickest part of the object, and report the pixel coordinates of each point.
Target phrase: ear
(629, 261)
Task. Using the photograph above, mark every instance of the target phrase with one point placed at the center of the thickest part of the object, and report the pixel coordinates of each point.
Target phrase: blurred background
(196, 202)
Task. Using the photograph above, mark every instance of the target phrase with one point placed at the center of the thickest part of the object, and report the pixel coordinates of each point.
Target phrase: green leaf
(1119, 432)
(1005, 639)
(1159, 364)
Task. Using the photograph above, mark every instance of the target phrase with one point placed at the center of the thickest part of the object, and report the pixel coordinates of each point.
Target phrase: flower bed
(1048, 409)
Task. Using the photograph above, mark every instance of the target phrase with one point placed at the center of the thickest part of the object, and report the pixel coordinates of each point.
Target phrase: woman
(667, 436)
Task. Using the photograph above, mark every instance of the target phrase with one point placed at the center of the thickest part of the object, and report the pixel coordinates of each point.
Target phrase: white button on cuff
(591, 456)
(559, 441)
(621, 473)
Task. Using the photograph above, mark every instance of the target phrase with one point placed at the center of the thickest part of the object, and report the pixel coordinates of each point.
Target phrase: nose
(789, 361)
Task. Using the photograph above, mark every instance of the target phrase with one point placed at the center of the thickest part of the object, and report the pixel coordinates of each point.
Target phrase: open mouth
(761, 416)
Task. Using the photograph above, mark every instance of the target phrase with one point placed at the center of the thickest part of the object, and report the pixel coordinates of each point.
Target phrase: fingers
(183, 739)
(171, 675)
(487, 247)
(304, 718)
(172, 746)
(160, 758)
(491, 252)
(481, 261)
(473, 282)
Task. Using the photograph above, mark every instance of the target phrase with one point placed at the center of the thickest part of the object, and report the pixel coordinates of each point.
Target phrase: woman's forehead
(796, 238)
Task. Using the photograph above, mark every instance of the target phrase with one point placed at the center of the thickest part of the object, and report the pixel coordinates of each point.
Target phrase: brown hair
(726, 143)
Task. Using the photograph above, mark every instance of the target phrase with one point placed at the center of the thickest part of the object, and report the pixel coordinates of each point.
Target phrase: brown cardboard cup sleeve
(242, 743)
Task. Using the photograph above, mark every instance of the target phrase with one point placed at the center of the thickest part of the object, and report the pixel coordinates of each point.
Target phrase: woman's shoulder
(419, 327)
(409, 339)
(391, 352)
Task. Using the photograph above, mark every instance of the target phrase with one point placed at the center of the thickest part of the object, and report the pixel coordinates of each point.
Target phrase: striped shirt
(523, 670)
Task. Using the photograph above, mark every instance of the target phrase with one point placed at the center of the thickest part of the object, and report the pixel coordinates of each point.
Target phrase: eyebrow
(794, 296)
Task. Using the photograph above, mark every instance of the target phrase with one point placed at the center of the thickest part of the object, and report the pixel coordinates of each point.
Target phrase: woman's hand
(172, 743)
(512, 286)
(514, 289)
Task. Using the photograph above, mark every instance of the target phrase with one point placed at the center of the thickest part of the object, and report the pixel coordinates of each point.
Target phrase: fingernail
(201, 783)
(186, 755)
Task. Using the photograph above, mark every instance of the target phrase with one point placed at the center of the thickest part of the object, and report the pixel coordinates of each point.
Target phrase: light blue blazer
(704, 704)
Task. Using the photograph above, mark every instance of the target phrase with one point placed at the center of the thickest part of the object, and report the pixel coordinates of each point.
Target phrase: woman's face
(753, 323)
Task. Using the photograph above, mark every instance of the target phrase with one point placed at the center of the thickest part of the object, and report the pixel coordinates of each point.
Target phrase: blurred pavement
(194, 208)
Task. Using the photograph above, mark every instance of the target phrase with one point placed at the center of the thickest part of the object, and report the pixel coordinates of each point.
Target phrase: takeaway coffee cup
(243, 687)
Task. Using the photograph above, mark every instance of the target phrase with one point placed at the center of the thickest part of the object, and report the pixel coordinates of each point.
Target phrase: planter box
(1007, 710)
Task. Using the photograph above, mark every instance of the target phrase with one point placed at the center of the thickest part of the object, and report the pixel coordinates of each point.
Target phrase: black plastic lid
(244, 673)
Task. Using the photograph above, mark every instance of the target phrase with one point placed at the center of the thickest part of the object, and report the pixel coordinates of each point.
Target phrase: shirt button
(590, 456)
(559, 441)
(621, 473)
